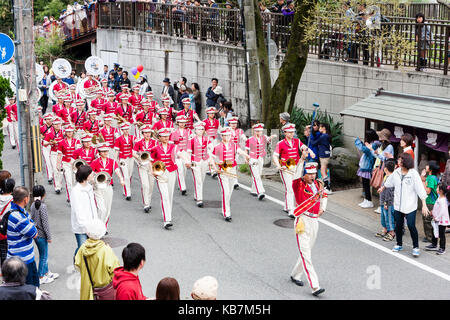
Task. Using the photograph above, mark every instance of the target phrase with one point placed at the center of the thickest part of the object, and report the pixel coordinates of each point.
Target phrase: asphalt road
(251, 257)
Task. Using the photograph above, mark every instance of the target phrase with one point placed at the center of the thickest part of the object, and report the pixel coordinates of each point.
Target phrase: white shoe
(52, 275)
(362, 203)
(369, 204)
(45, 280)
(377, 210)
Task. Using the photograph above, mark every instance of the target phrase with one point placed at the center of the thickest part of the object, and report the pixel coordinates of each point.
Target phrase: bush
(5, 91)
(302, 119)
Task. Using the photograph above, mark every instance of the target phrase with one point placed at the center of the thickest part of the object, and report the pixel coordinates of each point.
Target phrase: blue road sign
(6, 48)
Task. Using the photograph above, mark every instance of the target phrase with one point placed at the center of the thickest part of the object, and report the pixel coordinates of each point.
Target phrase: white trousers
(13, 133)
(305, 243)
(48, 163)
(287, 178)
(147, 184)
(127, 166)
(57, 174)
(166, 185)
(181, 173)
(227, 185)
(199, 170)
(256, 168)
(103, 199)
(69, 177)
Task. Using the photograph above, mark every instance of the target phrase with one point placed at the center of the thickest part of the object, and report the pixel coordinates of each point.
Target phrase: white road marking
(368, 242)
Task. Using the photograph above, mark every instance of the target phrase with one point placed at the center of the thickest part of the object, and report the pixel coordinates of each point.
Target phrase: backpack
(4, 222)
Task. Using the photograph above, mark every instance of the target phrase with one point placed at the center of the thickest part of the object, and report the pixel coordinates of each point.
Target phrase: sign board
(7, 48)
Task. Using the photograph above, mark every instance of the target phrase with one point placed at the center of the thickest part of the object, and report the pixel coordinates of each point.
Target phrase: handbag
(377, 177)
(104, 293)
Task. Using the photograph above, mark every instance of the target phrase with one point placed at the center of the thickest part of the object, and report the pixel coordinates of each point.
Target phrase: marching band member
(86, 152)
(165, 152)
(153, 104)
(104, 194)
(40, 116)
(12, 119)
(109, 134)
(110, 105)
(65, 112)
(72, 93)
(98, 102)
(212, 125)
(198, 150)
(147, 179)
(288, 150)
(164, 121)
(78, 118)
(180, 138)
(89, 85)
(66, 149)
(188, 113)
(225, 153)
(256, 147)
(124, 88)
(52, 139)
(105, 89)
(144, 117)
(92, 125)
(124, 156)
(166, 105)
(125, 110)
(60, 86)
(237, 136)
(56, 108)
(311, 200)
(135, 99)
(44, 129)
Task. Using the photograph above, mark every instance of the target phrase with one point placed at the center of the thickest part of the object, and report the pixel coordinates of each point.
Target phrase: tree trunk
(285, 88)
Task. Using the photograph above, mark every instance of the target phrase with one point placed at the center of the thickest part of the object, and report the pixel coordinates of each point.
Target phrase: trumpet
(290, 163)
(77, 163)
(159, 168)
(101, 180)
(226, 166)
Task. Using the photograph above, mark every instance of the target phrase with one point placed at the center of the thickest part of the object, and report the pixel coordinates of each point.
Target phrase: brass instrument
(159, 168)
(144, 158)
(226, 166)
(77, 163)
(120, 119)
(155, 135)
(290, 163)
(101, 180)
(139, 124)
(98, 139)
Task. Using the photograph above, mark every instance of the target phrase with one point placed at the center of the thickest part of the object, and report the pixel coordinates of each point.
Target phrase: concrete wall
(333, 85)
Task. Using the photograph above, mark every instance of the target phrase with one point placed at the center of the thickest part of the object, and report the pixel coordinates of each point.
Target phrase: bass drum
(82, 91)
(52, 93)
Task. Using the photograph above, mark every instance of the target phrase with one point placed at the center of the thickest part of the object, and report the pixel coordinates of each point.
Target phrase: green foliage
(244, 168)
(302, 119)
(53, 8)
(6, 17)
(5, 91)
(47, 49)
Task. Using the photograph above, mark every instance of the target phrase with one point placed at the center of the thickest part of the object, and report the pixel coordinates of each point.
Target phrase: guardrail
(335, 40)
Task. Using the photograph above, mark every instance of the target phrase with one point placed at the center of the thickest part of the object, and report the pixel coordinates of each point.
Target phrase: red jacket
(303, 192)
(127, 285)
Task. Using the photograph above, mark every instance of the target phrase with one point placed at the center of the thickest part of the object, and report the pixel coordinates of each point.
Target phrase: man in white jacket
(408, 186)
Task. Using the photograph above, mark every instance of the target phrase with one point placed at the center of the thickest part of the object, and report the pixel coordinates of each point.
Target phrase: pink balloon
(140, 68)
(134, 71)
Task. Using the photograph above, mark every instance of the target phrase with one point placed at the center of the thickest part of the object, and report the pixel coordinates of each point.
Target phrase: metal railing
(432, 11)
(80, 22)
(395, 44)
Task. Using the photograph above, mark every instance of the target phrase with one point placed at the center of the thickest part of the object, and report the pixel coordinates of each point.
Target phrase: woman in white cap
(188, 113)
(237, 137)
(104, 193)
(164, 121)
(144, 117)
(92, 125)
(86, 152)
(154, 106)
(98, 102)
(256, 148)
(65, 112)
(226, 153)
(125, 110)
(288, 150)
(165, 152)
(109, 133)
(78, 118)
(180, 138)
(124, 156)
(135, 99)
(44, 129)
(13, 128)
(146, 144)
(66, 149)
(199, 149)
(52, 139)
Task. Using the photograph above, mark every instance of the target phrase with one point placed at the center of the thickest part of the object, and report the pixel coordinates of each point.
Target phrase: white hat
(311, 167)
(205, 288)
(258, 126)
(164, 132)
(199, 125)
(290, 127)
(95, 229)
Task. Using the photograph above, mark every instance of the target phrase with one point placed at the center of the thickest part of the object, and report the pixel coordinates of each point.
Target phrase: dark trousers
(3, 250)
(44, 103)
(33, 276)
(434, 240)
(427, 227)
(399, 218)
(366, 188)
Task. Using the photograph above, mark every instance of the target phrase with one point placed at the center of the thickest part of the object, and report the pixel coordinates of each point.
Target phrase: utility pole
(27, 94)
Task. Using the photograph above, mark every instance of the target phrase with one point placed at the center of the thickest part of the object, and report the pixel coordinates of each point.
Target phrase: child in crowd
(430, 182)
(387, 205)
(440, 218)
(39, 215)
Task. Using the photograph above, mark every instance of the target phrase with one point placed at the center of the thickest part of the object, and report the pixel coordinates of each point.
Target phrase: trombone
(290, 163)
(226, 166)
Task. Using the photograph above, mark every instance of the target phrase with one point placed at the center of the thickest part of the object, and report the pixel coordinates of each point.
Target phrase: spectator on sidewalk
(366, 163)
(387, 205)
(285, 120)
(408, 186)
(6, 188)
(21, 232)
(39, 214)
(197, 97)
(424, 42)
(323, 146)
(168, 289)
(446, 175)
(205, 289)
(440, 219)
(430, 182)
(126, 280)
(95, 260)
(211, 97)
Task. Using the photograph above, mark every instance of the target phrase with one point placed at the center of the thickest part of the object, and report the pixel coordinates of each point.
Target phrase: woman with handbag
(96, 262)
(366, 164)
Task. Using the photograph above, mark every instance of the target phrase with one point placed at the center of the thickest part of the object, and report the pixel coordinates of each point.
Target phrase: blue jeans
(42, 246)
(411, 222)
(81, 238)
(32, 276)
(387, 218)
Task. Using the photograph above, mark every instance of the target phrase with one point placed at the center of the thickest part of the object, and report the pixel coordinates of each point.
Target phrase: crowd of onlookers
(102, 275)
(400, 185)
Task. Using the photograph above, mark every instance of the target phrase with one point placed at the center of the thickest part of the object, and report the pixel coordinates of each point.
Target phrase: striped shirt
(21, 231)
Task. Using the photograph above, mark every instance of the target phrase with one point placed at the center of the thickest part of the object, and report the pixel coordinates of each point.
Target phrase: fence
(395, 44)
